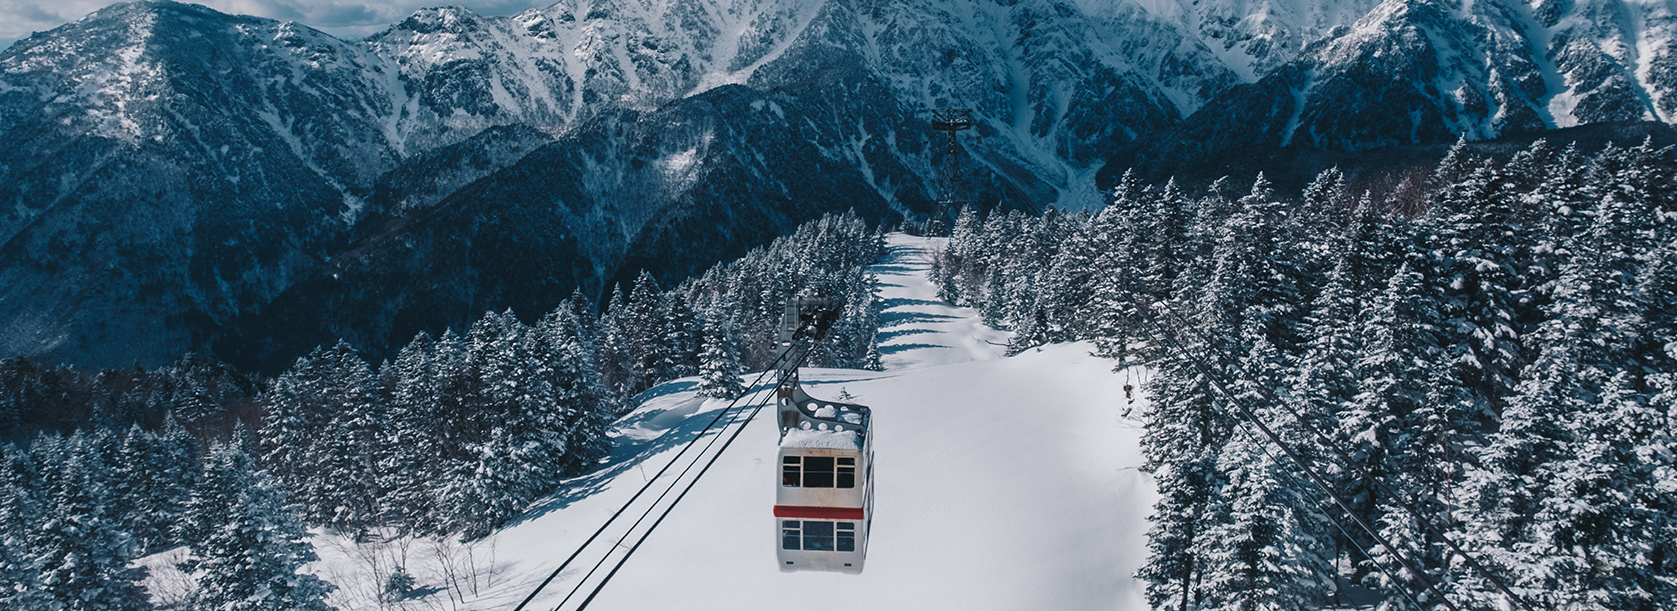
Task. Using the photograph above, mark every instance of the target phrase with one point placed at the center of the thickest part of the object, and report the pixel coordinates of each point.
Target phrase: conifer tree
(719, 370)
(1067, 287)
(246, 544)
(1604, 505)
(1475, 238)
(151, 493)
(490, 486)
(641, 322)
(1115, 236)
(84, 556)
(1327, 199)
(1165, 223)
(418, 429)
(615, 356)
(1457, 162)
(1186, 486)
(585, 407)
(20, 516)
(676, 347)
(1263, 553)
(348, 488)
(1505, 490)
(1401, 379)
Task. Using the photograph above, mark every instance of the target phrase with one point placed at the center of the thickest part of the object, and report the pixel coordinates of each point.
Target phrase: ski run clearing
(1000, 483)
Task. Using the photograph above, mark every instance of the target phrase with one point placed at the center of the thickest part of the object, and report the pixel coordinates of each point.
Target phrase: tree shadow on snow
(630, 453)
(665, 389)
(884, 336)
(895, 348)
(887, 268)
(900, 253)
(897, 302)
(887, 319)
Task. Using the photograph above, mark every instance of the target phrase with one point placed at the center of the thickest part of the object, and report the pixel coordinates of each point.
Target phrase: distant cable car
(824, 496)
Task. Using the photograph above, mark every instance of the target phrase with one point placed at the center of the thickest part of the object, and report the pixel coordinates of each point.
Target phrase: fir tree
(83, 555)
(1186, 486)
(20, 516)
(1067, 287)
(418, 430)
(348, 488)
(246, 544)
(1264, 552)
(585, 408)
(719, 370)
(676, 346)
(1476, 241)
(1603, 505)
(149, 483)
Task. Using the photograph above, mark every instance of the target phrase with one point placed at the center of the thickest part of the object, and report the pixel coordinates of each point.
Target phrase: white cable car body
(824, 493)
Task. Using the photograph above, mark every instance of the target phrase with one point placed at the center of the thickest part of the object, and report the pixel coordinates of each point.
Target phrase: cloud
(342, 18)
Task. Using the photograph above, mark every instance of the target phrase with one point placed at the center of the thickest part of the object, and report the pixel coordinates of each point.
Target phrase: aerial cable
(1359, 471)
(775, 366)
(1353, 541)
(757, 405)
(685, 490)
(808, 349)
(1310, 470)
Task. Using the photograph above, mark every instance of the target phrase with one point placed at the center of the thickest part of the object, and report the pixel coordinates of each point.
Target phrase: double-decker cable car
(824, 497)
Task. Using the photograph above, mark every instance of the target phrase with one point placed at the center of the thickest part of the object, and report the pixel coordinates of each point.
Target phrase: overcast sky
(343, 18)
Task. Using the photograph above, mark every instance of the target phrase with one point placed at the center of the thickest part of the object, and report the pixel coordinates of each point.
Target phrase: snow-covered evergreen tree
(247, 545)
(1186, 486)
(719, 365)
(1474, 240)
(676, 347)
(83, 555)
(418, 429)
(585, 407)
(20, 515)
(1264, 553)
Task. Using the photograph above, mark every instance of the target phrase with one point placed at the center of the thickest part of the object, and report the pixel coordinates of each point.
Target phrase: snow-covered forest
(1481, 361)
(456, 435)
(1493, 347)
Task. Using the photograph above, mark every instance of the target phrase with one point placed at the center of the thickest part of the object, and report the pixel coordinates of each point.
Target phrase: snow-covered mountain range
(174, 178)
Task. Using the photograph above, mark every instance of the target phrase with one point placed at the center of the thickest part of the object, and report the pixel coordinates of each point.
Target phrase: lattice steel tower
(950, 194)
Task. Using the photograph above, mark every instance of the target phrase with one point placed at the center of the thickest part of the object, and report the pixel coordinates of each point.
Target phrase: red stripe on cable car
(819, 513)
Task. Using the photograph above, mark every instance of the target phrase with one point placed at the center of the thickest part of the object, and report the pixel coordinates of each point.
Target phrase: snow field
(916, 329)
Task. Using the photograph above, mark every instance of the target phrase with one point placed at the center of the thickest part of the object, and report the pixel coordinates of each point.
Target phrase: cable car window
(789, 534)
(818, 536)
(818, 472)
(847, 536)
(790, 473)
(847, 473)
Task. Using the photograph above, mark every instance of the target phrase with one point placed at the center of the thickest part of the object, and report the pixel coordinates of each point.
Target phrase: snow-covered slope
(1002, 483)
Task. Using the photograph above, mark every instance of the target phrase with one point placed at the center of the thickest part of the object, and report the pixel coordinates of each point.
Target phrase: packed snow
(815, 439)
(1001, 483)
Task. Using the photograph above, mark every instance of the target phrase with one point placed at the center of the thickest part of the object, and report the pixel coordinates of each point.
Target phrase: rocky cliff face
(174, 178)
(1429, 71)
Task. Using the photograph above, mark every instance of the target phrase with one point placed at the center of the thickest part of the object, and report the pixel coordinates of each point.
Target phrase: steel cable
(775, 366)
(596, 592)
(1252, 417)
(1358, 470)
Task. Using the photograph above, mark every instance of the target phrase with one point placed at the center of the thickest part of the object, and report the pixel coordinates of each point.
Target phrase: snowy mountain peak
(278, 148)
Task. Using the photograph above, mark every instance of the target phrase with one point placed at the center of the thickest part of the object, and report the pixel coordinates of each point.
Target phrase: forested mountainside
(1488, 356)
(454, 437)
(174, 179)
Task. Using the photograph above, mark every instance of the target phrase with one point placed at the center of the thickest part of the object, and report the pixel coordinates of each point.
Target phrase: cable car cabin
(824, 500)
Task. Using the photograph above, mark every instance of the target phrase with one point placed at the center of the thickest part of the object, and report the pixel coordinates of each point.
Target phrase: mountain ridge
(173, 177)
